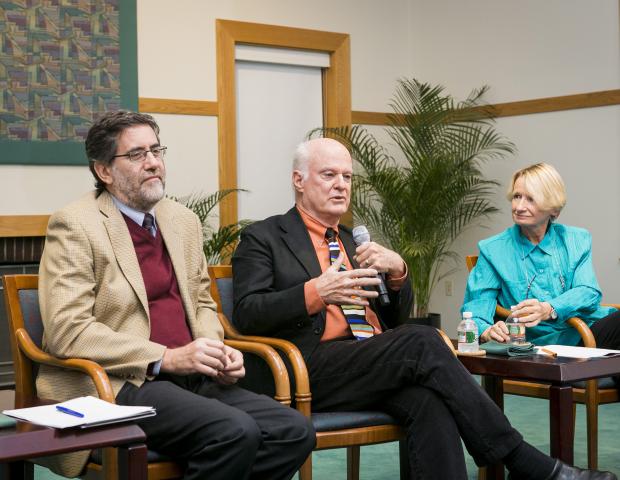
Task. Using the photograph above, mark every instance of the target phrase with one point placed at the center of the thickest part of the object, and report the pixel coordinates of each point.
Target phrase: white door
(279, 99)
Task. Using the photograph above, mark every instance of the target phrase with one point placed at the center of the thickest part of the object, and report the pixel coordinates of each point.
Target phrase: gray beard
(146, 199)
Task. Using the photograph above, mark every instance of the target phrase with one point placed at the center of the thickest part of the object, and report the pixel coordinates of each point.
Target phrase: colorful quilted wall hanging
(62, 64)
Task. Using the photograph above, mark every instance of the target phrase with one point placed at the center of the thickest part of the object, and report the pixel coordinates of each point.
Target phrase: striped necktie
(355, 314)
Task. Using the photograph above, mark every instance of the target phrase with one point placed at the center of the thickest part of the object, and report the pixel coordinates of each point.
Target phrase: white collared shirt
(136, 215)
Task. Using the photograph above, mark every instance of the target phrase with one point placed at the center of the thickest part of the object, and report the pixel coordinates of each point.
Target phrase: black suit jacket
(273, 261)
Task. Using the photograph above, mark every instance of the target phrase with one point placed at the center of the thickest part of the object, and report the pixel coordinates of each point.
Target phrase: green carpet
(529, 415)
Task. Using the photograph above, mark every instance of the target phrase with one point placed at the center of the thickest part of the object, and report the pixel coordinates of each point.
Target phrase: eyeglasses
(138, 156)
(529, 287)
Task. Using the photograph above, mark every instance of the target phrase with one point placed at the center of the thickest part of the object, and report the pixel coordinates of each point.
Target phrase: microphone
(361, 236)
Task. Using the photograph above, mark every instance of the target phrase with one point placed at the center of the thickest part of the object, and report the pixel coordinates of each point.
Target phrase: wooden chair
(348, 430)
(26, 333)
(591, 393)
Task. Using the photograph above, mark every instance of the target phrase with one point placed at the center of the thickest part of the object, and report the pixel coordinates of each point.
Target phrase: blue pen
(68, 411)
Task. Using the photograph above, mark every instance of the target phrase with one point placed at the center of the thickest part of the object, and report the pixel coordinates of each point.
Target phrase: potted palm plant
(218, 243)
(419, 204)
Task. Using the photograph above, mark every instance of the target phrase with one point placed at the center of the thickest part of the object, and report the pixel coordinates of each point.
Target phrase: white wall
(180, 63)
(176, 59)
(181, 34)
(524, 50)
(26, 190)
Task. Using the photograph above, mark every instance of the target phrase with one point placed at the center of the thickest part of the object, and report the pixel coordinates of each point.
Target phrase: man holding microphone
(289, 282)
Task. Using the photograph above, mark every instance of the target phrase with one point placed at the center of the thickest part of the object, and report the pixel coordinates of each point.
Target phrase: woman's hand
(531, 312)
(498, 332)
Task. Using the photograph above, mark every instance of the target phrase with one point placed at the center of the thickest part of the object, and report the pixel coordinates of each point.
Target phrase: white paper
(95, 411)
(577, 352)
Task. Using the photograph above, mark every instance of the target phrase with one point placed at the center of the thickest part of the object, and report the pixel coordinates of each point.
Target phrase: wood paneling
(227, 119)
(336, 86)
(23, 225)
(179, 107)
(524, 107)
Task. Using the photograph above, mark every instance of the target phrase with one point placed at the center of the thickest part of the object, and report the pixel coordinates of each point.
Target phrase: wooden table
(559, 373)
(26, 440)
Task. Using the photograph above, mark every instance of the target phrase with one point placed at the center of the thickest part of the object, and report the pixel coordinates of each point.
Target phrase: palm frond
(421, 206)
(218, 243)
(217, 248)
(203, 205)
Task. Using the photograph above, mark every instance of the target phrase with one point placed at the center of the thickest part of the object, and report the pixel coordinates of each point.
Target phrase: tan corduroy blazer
(93, 299)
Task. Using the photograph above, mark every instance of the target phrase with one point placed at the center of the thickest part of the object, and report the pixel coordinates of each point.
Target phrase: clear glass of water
(516, 330)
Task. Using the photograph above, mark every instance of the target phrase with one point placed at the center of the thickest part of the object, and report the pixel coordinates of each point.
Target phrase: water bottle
(468, 334)
(516, 330)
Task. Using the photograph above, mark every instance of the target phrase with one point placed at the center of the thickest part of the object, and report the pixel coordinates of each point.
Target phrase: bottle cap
(467, 315)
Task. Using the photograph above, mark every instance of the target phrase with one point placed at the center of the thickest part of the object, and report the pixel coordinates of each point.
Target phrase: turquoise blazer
(558, 270)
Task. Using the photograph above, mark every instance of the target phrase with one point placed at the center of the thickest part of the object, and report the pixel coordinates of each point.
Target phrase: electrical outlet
(448, 287)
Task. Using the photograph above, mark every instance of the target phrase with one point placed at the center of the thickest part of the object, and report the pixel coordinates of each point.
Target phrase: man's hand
(498, 332)
(203, 355)
(531, 312)
(234, 369)
(372, 255)
(345, 288)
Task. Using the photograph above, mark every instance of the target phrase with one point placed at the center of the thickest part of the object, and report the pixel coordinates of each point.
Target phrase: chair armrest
(446, 339)
(90, 368)
(303, 396)
(584, 331)
(229, 330)
(276, 365)
(501, 312)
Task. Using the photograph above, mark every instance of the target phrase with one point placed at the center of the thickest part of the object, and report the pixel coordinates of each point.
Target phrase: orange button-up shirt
(336, 324)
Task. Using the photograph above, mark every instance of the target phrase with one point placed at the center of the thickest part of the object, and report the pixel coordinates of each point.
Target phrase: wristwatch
(553, 315)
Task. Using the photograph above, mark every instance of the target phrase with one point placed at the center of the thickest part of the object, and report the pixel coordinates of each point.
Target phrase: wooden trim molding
(23, 225)
(369, 118)
(336, 86)
(179, 107)
(555, 104)
(525, 107)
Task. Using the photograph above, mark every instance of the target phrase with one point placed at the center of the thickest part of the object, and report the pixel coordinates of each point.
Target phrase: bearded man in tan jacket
(123, 282)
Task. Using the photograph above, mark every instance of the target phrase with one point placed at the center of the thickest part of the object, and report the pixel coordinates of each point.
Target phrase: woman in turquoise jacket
(539, 269)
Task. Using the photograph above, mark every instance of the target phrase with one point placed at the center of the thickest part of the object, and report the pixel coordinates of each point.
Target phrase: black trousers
(606, 331)
(221, 432)
(410, 373)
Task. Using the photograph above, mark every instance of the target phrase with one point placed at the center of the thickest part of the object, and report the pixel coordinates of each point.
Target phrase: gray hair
(301, 158)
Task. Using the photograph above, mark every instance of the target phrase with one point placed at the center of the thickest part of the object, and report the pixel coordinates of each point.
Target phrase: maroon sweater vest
(168, 321)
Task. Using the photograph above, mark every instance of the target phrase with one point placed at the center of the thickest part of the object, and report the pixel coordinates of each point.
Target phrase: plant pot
(432, 320)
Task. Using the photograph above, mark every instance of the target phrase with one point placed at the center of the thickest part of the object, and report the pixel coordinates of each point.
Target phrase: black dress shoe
(563, 471)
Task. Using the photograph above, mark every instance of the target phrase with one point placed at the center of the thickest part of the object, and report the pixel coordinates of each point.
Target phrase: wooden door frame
(336, 86)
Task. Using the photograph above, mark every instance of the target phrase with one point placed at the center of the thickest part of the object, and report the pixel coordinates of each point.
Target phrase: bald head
(322, 171)
(316, 148)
